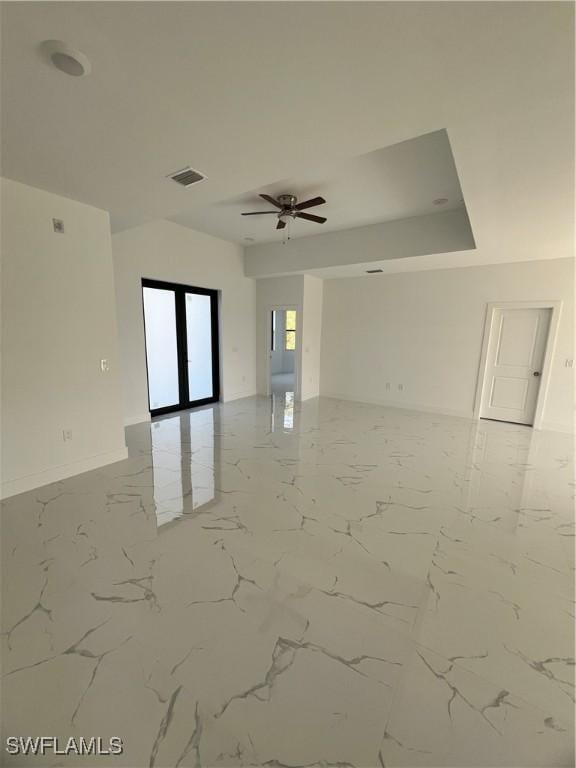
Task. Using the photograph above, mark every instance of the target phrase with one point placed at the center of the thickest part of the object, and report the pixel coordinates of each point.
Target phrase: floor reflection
(282, 411)
(192, 471)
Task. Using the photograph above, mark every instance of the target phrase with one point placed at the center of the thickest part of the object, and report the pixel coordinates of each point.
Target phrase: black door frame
(180, 292)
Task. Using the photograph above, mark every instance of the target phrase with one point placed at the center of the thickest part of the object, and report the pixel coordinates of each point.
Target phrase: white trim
(136, 419)
(461, 414)
(297, 357)
(556, 307)
(61, 472)
(554, 426)
(238, 395)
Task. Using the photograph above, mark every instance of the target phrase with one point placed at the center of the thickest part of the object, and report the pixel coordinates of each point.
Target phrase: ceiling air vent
(186, 177)
(373, 271)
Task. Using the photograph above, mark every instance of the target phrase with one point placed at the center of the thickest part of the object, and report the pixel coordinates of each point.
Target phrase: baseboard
(136, 419)
(550, 426)
(61, 472)
(545, 426)
(238, 395)
(462, 414)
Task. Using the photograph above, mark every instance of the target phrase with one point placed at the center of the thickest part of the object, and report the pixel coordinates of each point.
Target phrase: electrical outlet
(569, 363)
(58, 226)
(66, 435)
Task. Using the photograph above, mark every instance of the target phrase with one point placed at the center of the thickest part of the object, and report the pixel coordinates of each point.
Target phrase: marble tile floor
(264, 583)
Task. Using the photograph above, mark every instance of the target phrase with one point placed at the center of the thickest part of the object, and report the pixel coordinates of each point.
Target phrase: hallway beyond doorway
(281, 382)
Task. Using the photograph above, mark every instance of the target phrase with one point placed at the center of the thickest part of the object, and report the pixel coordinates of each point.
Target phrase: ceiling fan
(288, 208)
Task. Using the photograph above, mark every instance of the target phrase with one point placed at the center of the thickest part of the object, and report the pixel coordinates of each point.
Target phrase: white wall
(311, 336)
(424, 330)
(58, 322)
(167, 251)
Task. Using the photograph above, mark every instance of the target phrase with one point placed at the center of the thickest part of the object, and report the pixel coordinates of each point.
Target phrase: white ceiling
(392, 183)
(250, 93)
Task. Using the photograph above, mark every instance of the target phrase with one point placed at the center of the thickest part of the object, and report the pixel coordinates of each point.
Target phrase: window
(290, 329)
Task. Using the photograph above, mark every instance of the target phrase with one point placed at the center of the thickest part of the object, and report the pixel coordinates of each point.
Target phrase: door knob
(536, 373)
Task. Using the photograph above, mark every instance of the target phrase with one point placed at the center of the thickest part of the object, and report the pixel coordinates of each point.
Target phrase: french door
(182, 354)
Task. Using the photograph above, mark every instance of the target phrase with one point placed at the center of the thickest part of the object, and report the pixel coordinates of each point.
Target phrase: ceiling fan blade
(310, 217)
(281, 224)
(310, 203)
(271, 200)
(258, 213)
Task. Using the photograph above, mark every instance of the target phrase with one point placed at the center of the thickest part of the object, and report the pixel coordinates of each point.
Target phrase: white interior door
(514, 362)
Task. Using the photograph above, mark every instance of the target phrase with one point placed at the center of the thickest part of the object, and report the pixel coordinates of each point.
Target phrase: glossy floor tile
(326, 584)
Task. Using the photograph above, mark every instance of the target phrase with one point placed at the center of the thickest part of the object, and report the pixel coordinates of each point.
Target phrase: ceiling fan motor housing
(287, 201)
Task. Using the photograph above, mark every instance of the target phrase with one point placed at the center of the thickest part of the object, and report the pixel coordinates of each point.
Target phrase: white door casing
(514, 366)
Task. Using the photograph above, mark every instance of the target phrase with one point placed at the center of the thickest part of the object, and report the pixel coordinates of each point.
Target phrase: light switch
(104, 365)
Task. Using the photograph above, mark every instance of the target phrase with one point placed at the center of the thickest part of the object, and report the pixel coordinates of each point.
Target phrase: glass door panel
(182, 357)
(161, 347)
(199, 346)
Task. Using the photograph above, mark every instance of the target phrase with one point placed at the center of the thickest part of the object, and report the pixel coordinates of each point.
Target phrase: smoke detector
(66, 58)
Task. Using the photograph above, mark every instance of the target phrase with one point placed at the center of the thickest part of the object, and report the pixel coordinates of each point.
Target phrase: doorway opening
(182, 348)
(283, 351)
(515, 365)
